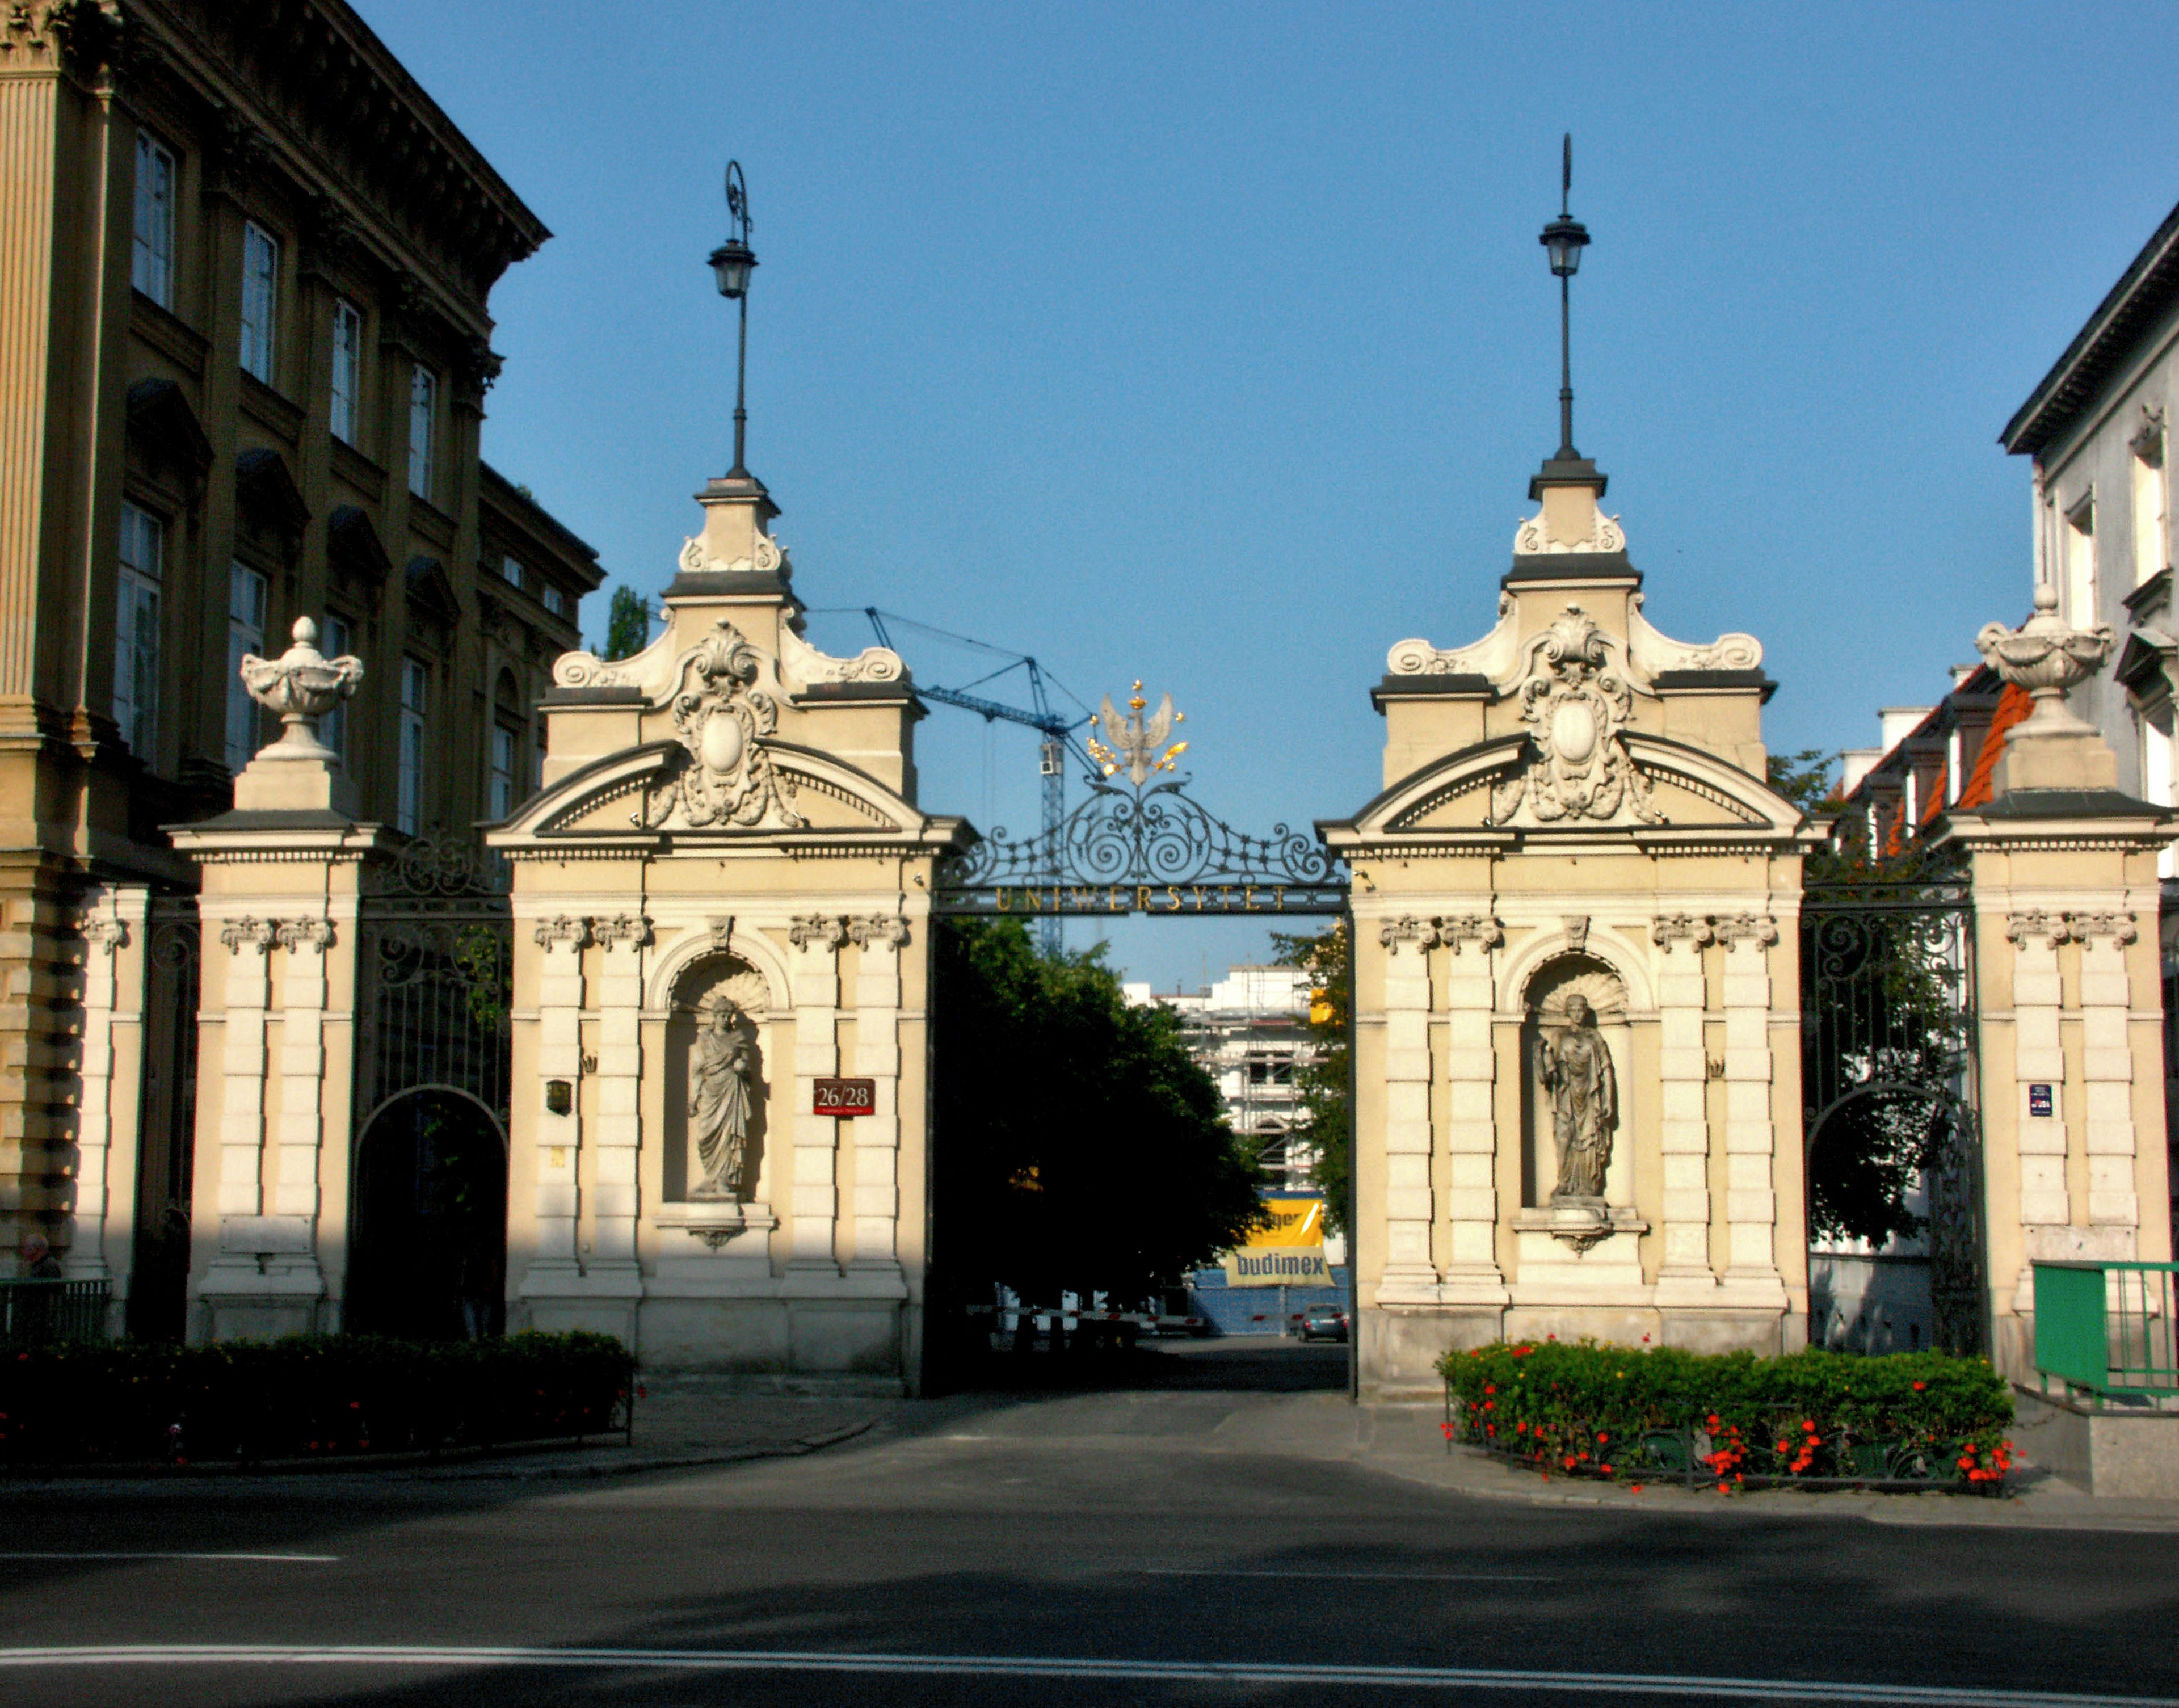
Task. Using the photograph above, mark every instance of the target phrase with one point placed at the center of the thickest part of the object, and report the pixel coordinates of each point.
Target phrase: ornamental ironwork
(1147, 850)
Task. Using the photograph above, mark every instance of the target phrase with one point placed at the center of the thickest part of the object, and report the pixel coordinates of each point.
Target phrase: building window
(2151, 496)
(415, 699)
(136, 631)
(260, 290)
(510, 571)
(245, 633)
(556, 602)
(152, 270)
(332, 728)
(347, 369)
(2081, 564)
(422, 392)
(504, 745)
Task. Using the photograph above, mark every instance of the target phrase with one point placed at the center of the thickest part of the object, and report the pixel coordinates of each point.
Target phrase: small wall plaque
(2042, 1102)
(559, 1096)
(845, 1099)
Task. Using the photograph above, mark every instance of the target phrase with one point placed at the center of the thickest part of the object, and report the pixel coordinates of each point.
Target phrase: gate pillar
(276, 1019)
(1575, 962)
(723, 891)
(2068, 988)
(100, 1238)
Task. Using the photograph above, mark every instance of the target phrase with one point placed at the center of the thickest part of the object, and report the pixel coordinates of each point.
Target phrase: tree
(1077, 1146)
(628, 625)
(1328, 1118)
(1804, 778)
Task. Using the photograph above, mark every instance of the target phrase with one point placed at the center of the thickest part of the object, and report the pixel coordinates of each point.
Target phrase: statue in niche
(1576, 1070)
(721, 1069)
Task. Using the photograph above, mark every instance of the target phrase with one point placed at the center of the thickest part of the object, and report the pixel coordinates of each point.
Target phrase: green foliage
(1623, 1412)
(1804, 778)
(628, 625)
(484, 957)
(305, 1395)
(1080, 1147)
(1326, 1124)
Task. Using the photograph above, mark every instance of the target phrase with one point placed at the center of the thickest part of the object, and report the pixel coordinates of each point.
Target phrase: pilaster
(1751, 1200)
(99, 1243)
(1410, 1275)
(1684, 1276)
(621, 939)
(560, 941)
(813, 1193)
(1472, 1274)
(879, 938)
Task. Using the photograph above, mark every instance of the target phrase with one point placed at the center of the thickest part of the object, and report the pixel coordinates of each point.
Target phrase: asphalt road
(1182, 1543)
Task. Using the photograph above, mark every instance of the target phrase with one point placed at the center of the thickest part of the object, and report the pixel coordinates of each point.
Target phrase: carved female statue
(724, 1062)
(1576, 1070)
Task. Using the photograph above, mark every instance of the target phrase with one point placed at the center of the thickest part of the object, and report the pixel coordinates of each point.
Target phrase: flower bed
(309, 1395)
(1633, 1413)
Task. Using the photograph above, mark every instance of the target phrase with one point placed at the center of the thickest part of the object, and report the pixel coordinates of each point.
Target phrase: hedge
(1592, 1410)
(304, 1396)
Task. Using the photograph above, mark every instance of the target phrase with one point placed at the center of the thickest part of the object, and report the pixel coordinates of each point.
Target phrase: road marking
(1415, 1577)
(79, 1554)
(1098, 1668)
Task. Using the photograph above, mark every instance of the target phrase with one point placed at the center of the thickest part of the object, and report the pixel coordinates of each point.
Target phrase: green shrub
(1625, 1412)
(306, 1395)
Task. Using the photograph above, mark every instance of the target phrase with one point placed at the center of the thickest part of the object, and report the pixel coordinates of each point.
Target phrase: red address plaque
(845, 1098)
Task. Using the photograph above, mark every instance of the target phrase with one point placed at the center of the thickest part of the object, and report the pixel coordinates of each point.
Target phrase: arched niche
(1547, 1003)
(704, 985)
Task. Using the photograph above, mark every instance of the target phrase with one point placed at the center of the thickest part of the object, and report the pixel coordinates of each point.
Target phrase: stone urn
(2046, 655)
(302, 684)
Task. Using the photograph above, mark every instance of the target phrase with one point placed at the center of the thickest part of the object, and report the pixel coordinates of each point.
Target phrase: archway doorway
(428, 1255)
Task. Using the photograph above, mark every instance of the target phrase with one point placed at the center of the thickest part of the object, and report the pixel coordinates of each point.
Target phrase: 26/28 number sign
(845, 1098)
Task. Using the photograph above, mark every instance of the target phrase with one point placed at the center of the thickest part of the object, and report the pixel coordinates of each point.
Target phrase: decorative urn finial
(2046, 655)
(302, 684)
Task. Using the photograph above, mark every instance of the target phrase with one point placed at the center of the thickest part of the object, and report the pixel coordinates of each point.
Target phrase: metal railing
(2108, 1327)
(49, 1313)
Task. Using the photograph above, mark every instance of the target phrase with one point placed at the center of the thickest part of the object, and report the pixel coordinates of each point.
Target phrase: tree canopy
(1326, 1124)
(628, 625)
(1077, 1146)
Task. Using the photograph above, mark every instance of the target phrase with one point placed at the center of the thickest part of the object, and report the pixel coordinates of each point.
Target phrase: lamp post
(1565, 237)
(732, 262)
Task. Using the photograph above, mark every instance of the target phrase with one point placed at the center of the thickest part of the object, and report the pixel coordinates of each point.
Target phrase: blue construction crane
(1057, 727)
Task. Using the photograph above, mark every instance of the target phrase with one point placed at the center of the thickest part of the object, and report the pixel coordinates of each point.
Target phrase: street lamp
(1566, 236)
(732, 262)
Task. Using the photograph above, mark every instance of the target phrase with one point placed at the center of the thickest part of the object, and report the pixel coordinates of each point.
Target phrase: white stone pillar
(1751, 1198)
(242, 1069)
(2107, 1064)
(2038, 1059)
(559, 1057)
(1410, 1276)
(619, 1076)
(1472, 1274)
(1684, 1276)
(814, 1192)
(295, 1191)
(877, 1057)
(114, 919)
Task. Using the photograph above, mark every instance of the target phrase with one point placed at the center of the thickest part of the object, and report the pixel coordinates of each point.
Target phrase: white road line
(80, 1554)
(1595, 1685)
(1372, 1577)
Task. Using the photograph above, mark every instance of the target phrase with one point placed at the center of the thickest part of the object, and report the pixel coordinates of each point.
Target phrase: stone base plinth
(2129, 1453)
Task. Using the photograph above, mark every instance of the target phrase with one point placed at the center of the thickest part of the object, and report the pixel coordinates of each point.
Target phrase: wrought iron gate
(1889, 1065)
(434, 978)
(159, 1268)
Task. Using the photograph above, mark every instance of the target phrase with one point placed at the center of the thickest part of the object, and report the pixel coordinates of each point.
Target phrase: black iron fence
(52, 1313)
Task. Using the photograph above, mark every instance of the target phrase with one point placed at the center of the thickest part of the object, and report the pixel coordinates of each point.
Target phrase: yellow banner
(1277, 1265)
(1287, 1251)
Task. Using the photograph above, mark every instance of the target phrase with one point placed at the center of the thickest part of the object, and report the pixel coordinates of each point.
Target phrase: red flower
(1782, 1446)
(1636, 1487)
(1490, 1388)
(1602, 1437)
(1919, 1385)
(1606, 1470)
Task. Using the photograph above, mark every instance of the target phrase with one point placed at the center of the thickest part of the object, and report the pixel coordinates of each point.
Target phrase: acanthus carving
(82, 35)
(247, 933)
(109, 931)
(1576, 707)
(803, 664)
(297, 934)
(2052, 929)
(562, 931)
(877, 928)
(1651, 650)
(1408, 929)
(1532, 538)
(722, 720)
(1490, 657)
(1681, 928)
(769, 557)
(2120, 928)
(1482, 929)
(827, 929)
(632, 929)
(1735, 928)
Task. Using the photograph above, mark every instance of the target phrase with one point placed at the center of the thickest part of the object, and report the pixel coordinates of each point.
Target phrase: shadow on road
(1250, 1363)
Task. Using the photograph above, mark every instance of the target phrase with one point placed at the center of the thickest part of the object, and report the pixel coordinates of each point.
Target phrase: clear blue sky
(1213, 344)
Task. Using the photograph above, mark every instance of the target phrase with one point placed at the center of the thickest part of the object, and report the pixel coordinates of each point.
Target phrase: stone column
(560, 940)
(1751, 1199)
(302, 1065)
(814, 1193)
(2038, 1058)
(1684, 1276)
(877, 1057)
(2107, 1069)
(98, 1245)
(1410, 1276)
(619, 1076)
(1472, 1274)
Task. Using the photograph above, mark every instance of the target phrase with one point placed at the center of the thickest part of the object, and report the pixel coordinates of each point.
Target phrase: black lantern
(732, 262)
(1564, 238)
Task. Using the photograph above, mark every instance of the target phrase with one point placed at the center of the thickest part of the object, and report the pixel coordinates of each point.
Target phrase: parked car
(1324, 1322)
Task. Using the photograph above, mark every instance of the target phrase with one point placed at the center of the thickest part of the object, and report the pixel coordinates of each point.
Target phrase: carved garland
(1575, 706)
(722, 720)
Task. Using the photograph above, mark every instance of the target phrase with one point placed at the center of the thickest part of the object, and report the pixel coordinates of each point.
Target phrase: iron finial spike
(1566, 178)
